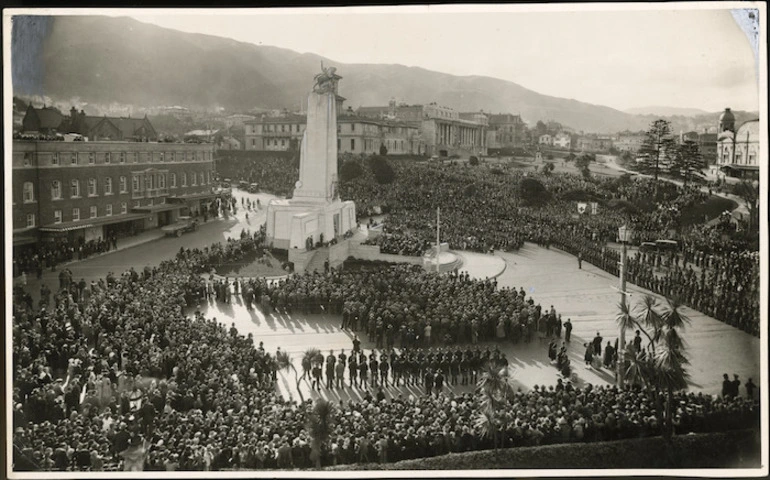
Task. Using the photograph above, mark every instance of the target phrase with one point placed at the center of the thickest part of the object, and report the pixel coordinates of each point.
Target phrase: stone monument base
(296, 224)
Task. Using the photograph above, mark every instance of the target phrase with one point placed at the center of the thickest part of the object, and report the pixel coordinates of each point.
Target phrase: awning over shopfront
(23, 240)
(92, 222)
(192, 197)
(741, 168)
(163, 207)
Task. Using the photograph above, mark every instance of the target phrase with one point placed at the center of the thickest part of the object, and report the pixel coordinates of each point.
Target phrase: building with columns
(442, 131)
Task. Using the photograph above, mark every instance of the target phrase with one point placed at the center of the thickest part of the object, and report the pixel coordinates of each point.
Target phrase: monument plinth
(315, 213)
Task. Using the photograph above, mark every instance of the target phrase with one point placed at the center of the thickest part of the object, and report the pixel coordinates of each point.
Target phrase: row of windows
(283, 127)
(28, 189)
(93, 212)
(72, 158)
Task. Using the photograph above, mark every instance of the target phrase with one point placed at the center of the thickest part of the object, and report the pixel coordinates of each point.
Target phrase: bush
(474, 160)
(382, 170)
(350, 170)
(470, 190)
(533, 192)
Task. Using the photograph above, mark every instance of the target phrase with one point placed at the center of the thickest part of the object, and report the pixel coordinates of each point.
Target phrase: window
(108, 210)
(75, 214)
(91, 187)
(193, 179)
(283, 143)
(29, 192)
(123, 184)
(107, 157)
(93, 211)
(91, 158)
(173, 156)
(55, 159)
(208, 176)
(122, 157)
(136, 157)
(30, 220)
(149, 202)
(56, 190)
(253, 142)
(137, 204)
(162, 156)
(352, 127)
(149, 157)
(108, 186)
(124, 208)
(283, 128)
(352, 144)
(74, 159)
(184, 179)
(75, 188)
(135, 183)
(148, 182)
(57, 216)
(27, 159)
(161, 181)
(200, 178)
(172, 180)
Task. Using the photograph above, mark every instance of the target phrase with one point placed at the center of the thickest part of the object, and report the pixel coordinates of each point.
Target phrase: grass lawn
(734, 449)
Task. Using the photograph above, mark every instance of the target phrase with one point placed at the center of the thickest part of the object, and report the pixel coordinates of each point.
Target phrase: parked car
(183, 224)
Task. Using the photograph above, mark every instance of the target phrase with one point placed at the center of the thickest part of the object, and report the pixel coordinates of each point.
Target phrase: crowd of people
(29, 261)
(124, 373)
(276, 174)
(481, 211)
(123, 378)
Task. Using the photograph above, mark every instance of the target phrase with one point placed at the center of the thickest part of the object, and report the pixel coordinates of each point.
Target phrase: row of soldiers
(458, 365)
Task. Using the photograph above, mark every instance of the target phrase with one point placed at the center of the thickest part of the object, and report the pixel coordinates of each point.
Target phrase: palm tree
(307, 362)
(663, 368)
(496, 386)
(320, 425)
(283, 360)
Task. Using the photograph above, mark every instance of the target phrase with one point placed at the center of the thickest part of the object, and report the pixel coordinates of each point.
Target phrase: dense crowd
(482, 211)
(30, 261)
(122, 376)
(275, 174)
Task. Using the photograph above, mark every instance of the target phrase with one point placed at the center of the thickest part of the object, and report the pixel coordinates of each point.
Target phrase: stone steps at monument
(317, 262)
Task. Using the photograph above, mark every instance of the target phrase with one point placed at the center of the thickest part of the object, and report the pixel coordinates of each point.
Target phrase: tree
(749, 193)
(495, 387)
(283, 361)
(657, 147)
(582, 163)
(320, 425)
(548, 167)
(532, 191)
(662, 367)
(382, 170)
(473, 160)
(383, 149)
(349, 170)
(688, 161)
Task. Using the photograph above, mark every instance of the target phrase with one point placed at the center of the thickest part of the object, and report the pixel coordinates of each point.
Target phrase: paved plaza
(588, 296)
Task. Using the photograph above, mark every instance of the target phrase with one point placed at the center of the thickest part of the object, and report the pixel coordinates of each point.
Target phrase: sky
(622, 59)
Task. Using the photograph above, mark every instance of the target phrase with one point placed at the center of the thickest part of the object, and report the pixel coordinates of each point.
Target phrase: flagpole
(438, 236)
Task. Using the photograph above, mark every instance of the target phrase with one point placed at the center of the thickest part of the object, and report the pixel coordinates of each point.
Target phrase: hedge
(734, 449)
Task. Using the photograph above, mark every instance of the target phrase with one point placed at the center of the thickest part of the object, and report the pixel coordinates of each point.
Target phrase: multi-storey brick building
(96, 189)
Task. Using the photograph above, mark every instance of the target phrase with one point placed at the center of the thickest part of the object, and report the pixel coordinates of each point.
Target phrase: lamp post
(624, 236)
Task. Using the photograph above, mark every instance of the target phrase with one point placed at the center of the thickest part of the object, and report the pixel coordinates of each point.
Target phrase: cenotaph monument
(315, 213)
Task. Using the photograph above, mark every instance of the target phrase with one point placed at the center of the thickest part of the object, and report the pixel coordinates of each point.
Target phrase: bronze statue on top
(326, 81)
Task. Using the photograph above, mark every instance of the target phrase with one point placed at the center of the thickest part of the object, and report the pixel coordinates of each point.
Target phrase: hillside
(117, 60)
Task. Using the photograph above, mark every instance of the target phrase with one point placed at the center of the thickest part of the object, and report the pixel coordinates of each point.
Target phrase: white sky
(622, 59)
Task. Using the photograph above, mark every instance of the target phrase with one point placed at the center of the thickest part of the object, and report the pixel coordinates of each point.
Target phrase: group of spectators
(275, 174)
(481, 210)
(28, 260)
(125, 379)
